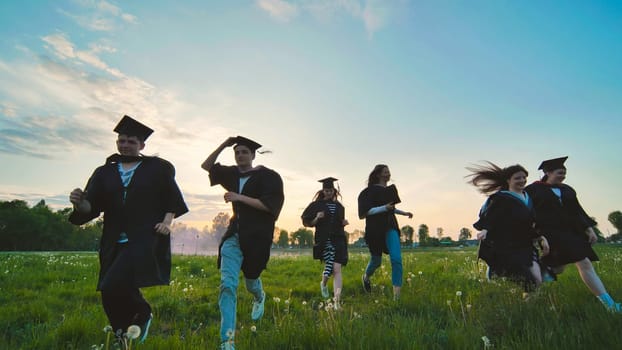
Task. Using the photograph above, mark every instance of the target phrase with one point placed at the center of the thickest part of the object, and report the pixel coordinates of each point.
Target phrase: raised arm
(211, 159)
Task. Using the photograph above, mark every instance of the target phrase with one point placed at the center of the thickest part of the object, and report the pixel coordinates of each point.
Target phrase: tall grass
(49, 302)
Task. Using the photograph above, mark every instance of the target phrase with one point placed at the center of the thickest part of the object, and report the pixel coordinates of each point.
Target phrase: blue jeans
(395, 253)
(230, 266)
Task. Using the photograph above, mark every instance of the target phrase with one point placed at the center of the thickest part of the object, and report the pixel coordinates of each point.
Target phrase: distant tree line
(40, 228)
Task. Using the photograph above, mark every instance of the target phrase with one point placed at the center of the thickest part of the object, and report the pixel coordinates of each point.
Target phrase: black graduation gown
(508, 248)
(377, 226)
(563, 223)
(254, 227)
(151, 194)
(327, 228)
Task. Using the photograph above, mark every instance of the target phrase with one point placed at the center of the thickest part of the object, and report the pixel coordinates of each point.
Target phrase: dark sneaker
(366, 283)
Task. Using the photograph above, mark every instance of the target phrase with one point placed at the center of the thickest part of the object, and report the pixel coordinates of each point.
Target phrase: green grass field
(49, 302)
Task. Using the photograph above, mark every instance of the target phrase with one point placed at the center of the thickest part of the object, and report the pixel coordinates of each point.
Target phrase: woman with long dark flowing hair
(327, 215)
(506, 224)
(376, 204)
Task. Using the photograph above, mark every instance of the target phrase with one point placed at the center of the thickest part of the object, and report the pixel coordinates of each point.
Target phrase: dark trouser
(123, 303)
(125, 308)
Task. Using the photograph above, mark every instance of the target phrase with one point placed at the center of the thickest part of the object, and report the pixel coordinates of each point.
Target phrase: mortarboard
(552, 164)
(328, 182)
(131, 127)
(243, 141)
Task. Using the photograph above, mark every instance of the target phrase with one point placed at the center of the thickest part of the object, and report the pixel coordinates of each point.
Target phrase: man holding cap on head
(139, 198)
(327, 215)
(568, 229)
(256, 195)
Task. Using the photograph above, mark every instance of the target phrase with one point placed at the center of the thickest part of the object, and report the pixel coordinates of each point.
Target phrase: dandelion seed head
(133, 332)
(253, 328)
(459, 293)
(486, 341)
(107, 329)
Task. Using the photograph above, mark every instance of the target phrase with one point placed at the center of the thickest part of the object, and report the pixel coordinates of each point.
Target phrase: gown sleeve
(173, 198)
(309, 214)
(272, 193)
(95, 195)
(364, 203)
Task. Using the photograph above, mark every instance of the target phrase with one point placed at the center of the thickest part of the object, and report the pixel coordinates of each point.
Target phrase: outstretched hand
(482, 235)
(77, 197)
(544, 244)
(591, 235)
(230, 141)
(163, 228)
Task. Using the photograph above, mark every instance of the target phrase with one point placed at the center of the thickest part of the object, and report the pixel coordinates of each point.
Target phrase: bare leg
(536, 273)
(337, 283)
(589, 277)
(396, 292)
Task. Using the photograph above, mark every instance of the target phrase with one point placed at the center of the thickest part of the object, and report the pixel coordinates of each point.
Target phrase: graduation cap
(131, 127)
(328, 182)
(553, 164)
(243, 141)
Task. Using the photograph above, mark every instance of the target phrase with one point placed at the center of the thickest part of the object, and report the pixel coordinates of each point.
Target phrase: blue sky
(330, 87)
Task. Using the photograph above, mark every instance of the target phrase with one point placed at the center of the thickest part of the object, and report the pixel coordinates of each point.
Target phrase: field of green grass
(48, 301)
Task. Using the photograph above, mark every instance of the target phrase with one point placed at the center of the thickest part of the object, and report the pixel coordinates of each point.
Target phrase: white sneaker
(324, 289)
(258, 307)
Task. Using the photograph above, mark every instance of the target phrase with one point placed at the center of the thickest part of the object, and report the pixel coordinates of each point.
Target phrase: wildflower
(376, 301)
(525, 295)
(286, 301)
(487, 342)
(253, 328)
(420, 273)
(304, 302)
(469, 307)
(459, 293)
(185, 290)
(448, 302)
(320, 305)
(133, 332)
(276, 299)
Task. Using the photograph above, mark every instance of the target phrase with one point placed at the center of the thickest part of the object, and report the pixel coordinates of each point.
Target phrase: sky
(331, 88)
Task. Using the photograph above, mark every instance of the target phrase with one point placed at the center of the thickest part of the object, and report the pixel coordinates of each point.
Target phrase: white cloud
(99, 15)
(374, 14)
(279, 9)
(64, 49)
